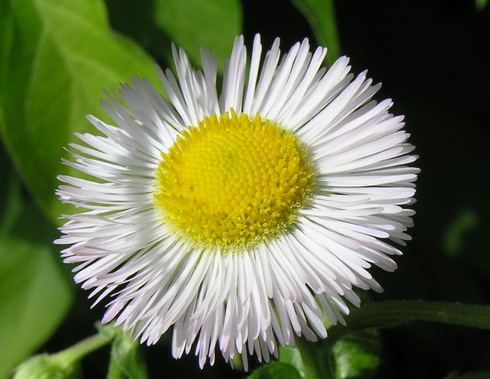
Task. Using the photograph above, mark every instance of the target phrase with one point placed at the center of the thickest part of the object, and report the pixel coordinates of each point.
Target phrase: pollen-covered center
(233, 181)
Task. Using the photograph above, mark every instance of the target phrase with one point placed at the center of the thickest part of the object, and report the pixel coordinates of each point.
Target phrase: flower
(239, 218)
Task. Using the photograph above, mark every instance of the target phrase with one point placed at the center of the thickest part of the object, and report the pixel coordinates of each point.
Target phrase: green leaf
(354, 356)
(135, 19)
(357, 355)
(276, 370)
(321, 16)
(34, 299)
(56, 57)
(195, 24)
(34, 294)
(292, 356)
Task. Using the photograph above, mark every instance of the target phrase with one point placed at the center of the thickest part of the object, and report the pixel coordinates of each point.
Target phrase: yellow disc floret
(233, 181)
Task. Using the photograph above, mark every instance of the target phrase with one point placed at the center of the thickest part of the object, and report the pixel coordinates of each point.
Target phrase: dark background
(433, 60)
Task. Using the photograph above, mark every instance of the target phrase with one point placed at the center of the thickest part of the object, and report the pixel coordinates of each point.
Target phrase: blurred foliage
(224, 17)
(464, 222)
(34, 293)
(480, 4)
(189, 24)
(321, 16)
(56, 57)
(276, 370)
(357, 355)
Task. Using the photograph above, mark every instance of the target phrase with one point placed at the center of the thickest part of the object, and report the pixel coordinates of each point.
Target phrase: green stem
(390, 314)
(321, 16)
(114, 371)
(316, 360)
(74, 354)
(313, 361)
(395, 313)
(126, 360)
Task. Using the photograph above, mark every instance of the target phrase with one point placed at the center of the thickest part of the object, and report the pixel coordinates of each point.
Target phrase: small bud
(45, 366)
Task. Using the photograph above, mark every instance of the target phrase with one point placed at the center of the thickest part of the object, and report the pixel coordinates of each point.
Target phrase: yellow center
(233, 181)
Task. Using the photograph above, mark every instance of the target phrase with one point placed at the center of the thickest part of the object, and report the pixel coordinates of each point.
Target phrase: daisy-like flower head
(239, 218)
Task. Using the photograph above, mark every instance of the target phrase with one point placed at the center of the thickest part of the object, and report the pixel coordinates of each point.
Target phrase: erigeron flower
(239, 218)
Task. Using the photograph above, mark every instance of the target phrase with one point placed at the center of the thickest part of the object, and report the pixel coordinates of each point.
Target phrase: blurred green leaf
(34, 298)
(135, 19)
(357, 355)
(34, 294)
(195, 24)
(56, 57)
(321, 16)
(465, 221)
(292, 356)
(276, 370)
(480, 4)
(10, 199)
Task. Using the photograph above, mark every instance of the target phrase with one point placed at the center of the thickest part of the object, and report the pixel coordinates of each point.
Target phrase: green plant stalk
(390, 314)
(126, 360)
(74, 354)
(314, 363)
(114, 371)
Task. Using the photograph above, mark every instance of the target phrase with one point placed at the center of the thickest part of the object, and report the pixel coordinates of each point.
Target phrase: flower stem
(114, 371)
(75, 353)
(314, 365)
(395, 313)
